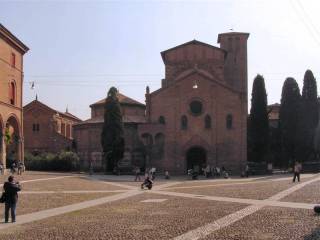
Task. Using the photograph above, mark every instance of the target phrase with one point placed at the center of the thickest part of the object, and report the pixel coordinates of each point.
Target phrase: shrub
(63, 161)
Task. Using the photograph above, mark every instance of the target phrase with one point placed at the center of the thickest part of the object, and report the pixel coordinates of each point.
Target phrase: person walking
(20, 168)
(247, 171)
(296, 171)
(11, 189)
(137, 174)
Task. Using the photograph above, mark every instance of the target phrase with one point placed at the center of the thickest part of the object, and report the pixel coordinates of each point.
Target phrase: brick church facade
(46, 129)
(197, 117)
(12, 51)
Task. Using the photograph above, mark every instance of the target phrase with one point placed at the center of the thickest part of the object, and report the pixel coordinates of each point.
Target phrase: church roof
(9, 37)
(125, 119)
(122, 99)
(188, 43)
(64, 114)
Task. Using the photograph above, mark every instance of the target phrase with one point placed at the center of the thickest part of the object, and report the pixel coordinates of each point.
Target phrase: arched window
(207, 121)
(147, 139)
(229, 121)
(162, 120)
(12, 93)
(184, 122)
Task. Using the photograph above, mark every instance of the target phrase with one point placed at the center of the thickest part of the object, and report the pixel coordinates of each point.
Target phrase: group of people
(149, 172)
(208, 172)
(149, 177)
(17, 167)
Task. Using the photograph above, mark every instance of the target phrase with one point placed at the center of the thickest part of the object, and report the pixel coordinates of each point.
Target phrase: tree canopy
(258, 125)
(112, 139)
(289, 121)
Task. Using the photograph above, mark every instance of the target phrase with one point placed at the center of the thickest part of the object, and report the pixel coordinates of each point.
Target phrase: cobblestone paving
(273, 223)
(73, 183)
(257, 190)
(29, 203)
(128, 219)
(309, 194)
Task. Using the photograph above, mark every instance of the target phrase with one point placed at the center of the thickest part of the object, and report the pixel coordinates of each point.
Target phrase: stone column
(3, 151)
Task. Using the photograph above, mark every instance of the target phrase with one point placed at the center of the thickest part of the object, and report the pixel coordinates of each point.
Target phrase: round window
(196, 107)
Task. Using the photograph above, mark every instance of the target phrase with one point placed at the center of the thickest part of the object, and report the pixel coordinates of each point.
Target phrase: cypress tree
(112, 140)
(258, 126)
(308, 117)
(289, 121)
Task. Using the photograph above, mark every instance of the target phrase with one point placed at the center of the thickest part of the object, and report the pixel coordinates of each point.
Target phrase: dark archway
(196, 158)
(12, 141)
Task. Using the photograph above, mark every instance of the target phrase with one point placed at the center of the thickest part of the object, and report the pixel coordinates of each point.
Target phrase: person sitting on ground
(147, 183)
(11, 189)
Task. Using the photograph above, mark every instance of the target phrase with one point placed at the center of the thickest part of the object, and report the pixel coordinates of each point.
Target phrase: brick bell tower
(236, 76)
(236, 66)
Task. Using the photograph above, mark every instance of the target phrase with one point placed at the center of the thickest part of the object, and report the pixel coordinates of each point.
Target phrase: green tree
(112, 140)
(258, 124)
(308, 117)
(289, 121)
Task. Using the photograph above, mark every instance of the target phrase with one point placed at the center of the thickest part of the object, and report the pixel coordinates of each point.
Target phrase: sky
(79, 49)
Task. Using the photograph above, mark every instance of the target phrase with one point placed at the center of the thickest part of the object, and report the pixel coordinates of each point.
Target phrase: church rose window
(196, 107)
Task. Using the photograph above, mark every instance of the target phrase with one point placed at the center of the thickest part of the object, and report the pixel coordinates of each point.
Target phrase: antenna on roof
(67, 109)
(36, 97)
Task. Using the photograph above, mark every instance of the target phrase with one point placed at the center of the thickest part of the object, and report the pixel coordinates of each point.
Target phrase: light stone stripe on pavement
(239, 200)
(208, 229)
(288, 191)
(80, 191)
(230, 184)
(44, 179)
(69, 208)
(165, 185)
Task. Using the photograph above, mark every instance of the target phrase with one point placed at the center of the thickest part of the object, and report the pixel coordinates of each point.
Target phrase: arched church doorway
(12, 141)
(196, 158)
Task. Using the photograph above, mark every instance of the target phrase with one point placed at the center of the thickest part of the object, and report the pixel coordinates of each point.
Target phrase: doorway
(196, 158)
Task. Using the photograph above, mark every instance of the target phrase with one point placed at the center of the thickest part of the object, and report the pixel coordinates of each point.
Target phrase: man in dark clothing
(11, 189)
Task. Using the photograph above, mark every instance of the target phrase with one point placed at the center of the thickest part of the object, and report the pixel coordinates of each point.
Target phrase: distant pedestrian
(137, 174)
(296, 171)
(1, 169)
(11, 189)
(247, 171)
(166, 175)
(20, 168)
(13, 167)
(152, 173)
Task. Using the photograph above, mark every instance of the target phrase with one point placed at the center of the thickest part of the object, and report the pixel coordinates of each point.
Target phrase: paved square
(75, 206)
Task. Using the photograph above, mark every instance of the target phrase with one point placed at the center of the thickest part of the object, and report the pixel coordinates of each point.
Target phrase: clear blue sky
(78, 49)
